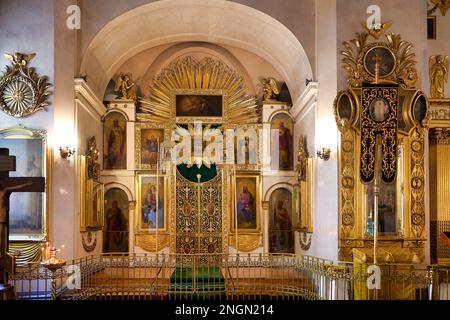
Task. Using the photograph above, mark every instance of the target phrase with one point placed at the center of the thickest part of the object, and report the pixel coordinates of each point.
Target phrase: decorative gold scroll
(355, 59)
(22, 91)
(417, 181)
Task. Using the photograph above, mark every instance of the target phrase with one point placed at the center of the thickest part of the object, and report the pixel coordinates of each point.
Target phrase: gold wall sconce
(66, 152)
(324, 153)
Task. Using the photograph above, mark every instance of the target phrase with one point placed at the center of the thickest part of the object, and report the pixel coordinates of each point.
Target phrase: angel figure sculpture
(439, 65)
(19, 59)
(124, 87)
(270, 89)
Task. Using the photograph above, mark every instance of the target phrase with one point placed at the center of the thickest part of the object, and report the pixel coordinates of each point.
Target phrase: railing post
(430, 280)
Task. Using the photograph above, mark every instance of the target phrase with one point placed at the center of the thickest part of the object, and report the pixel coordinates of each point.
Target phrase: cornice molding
(305, 102)
(87, 98)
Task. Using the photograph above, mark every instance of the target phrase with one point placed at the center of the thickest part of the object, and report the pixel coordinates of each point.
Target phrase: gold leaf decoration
(22, 91)
(207, 74)
(355, 50)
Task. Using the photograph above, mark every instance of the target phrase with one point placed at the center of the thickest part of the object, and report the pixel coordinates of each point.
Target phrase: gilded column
(439, 191)
(265, 206)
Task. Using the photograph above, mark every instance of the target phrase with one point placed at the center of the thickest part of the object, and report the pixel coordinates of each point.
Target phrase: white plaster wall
(27, 26)
(64, 218)
(325, 203)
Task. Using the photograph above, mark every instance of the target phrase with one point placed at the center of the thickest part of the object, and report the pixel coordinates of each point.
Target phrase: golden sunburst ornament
(22, 90)
(193, 75)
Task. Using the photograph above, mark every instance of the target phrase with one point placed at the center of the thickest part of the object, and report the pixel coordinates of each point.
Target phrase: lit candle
(62, 251)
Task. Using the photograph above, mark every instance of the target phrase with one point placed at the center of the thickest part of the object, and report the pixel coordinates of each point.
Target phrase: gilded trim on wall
(417, 181)
(150, 243)
(246, 242)
(347, 180)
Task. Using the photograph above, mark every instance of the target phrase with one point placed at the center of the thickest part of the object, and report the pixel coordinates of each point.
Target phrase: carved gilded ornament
(305, 239)
(417, 181)
(270, 89)
(92, 160)
(373, 66)
(89, 241)
(397, 60)
(377, 31)
(199, 77)
(439, 68)
(302, 160)
(442, 5)
(22, 91)
(124, 87)
(440, 136)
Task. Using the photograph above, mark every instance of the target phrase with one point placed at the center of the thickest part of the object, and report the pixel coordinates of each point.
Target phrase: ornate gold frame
(26, 133)
(197, 92)
(138, 217)
(375, 46)
(258, 128)
(233, 204)
(352, 232)
(137, 142)
(196, 77)
(305, 188)
(88, 189)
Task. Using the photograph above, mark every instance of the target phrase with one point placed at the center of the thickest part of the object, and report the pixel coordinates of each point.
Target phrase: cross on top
(378, 59)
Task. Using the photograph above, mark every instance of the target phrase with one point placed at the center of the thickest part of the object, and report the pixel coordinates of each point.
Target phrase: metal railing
(227, 276)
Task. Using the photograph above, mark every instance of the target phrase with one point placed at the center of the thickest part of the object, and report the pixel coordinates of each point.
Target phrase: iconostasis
(381, 118)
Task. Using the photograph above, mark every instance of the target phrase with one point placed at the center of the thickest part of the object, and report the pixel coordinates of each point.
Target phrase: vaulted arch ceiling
(214, 21)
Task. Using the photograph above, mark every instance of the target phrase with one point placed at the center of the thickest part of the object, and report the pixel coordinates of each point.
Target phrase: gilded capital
(440, 136)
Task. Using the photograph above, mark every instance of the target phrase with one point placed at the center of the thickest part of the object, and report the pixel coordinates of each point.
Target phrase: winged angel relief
(125, 87)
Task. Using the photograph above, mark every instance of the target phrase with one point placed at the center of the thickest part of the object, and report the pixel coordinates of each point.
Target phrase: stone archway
(214, 21)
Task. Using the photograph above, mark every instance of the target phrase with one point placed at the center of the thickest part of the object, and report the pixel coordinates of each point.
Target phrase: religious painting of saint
(151, 140)
(27, 209)
(246, 146)
(199, 105)
(281, 235)
(379, 110)
(115, 238)
(151, 203)
(114, 142)
(246, 206)
(283, 126)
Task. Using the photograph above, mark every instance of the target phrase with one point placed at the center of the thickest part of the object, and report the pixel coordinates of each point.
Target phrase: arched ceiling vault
(175, 21)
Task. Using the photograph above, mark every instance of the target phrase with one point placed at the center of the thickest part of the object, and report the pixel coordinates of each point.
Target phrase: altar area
(183, 149)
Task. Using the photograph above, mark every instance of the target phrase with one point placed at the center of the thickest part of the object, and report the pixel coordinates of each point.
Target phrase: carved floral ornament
(394, 55)
(22, 91)
(440, 136)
